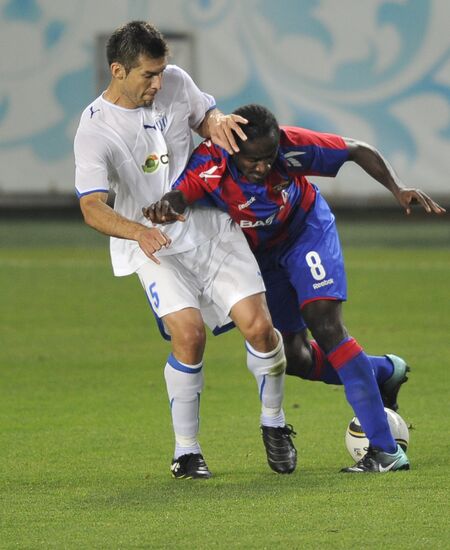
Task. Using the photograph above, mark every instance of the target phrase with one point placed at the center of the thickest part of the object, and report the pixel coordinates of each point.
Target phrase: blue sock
(322, 370)
(382, 367)
(361, 388)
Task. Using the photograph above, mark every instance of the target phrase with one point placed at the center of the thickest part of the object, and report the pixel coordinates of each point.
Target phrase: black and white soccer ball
(357, 442)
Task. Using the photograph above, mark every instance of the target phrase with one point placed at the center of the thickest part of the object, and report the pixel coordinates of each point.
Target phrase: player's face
(143, 82)
(256, 158)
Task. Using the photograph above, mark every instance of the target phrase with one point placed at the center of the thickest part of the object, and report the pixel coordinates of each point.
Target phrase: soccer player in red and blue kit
(292, 232)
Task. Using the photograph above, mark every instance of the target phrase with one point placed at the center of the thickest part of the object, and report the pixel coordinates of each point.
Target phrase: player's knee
(251, 315)
(299, 365)
(261, 335)
(298, 357)
(324, 320)
(189, 344)
(327, 332)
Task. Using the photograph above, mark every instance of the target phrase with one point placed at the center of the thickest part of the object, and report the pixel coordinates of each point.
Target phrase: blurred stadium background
(376, 70)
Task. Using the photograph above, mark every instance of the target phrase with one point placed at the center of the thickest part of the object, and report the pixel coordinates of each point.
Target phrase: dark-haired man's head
(137, 55)
(133, 40)
(257, 155)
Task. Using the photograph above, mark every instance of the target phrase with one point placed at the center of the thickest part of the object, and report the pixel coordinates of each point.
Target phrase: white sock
(269, 371)
(184, 385)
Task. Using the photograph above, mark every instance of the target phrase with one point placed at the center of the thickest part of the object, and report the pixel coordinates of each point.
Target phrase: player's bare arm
(373, 162)
(99, 215)
(220, 129)
(167, 210)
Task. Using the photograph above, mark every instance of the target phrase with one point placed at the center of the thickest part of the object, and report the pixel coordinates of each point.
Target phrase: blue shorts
(309, 268)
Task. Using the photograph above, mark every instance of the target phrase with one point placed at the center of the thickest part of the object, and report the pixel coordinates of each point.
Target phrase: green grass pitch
(85, 431)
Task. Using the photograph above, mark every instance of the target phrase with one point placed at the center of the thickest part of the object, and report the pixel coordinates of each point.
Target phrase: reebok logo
(246, 204)
(323, 283)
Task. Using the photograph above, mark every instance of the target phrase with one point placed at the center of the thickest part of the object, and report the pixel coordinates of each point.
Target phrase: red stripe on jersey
(294, 135)
(344, 353)
(308, 194)
(192, 189)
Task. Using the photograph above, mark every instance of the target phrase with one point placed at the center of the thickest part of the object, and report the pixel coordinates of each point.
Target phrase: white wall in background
(377, 70)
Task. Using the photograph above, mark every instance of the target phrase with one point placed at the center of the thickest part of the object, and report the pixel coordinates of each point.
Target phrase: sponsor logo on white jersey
(323, 283)
(246, 204)
(153, 162)
(247, 224)
(292, 159)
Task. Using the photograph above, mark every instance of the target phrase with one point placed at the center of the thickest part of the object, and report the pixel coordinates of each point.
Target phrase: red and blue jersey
(275, 211)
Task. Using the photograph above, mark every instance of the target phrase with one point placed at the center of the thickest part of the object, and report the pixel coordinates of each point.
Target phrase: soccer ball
(357, 442)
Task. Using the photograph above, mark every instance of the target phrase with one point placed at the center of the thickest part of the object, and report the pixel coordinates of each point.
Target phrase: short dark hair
(133, 39)
(261, 122)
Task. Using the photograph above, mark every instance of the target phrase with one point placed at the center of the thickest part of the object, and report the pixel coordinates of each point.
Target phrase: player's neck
(113, 95)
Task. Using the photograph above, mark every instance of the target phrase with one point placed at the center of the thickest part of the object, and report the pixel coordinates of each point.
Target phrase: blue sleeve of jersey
(314, 159)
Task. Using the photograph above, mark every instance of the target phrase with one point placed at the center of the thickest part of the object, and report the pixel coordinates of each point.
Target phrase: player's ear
(118, 71)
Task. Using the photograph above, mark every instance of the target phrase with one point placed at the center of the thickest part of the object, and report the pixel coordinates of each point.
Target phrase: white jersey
(138, 153)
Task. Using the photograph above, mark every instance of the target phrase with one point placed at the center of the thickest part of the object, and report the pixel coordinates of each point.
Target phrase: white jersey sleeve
(91, 161)
(200, 102)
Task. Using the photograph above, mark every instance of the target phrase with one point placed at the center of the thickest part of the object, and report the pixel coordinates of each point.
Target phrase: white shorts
(212, 278)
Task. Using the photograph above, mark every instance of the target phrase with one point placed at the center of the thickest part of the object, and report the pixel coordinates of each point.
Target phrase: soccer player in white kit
(135, 139)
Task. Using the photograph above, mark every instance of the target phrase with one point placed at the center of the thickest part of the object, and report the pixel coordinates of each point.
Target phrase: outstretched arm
(373, 162)
(168, 209)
